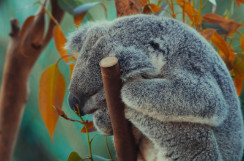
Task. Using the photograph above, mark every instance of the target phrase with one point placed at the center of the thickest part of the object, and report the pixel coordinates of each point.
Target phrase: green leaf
(84, 7)
(69, 5)
(74, 156)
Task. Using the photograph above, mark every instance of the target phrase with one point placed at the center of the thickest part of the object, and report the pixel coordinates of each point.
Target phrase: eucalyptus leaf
(74, 156)
(84, 7)
(69, 5)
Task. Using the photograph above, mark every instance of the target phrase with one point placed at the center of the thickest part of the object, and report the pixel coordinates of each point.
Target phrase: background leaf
(69, 5)
(155, 8)
(78, 19)
(84, 7)
(239, 66)
(90, 127)
(51, 93)
(60, 41)
(74, 156)
(242, 43)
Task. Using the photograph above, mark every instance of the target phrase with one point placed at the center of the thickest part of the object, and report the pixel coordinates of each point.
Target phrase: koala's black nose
(75, 102)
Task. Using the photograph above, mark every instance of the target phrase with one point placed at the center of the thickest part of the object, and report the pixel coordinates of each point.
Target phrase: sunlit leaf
(224, 46)
(155, 8)
(51, 93)
(239, 66)
(208, 33)
(242, 43)
(192, 13)
(74, 156)
(90, 127)
(238, 84)
(79, 18)
(229, 25)
(60, 41)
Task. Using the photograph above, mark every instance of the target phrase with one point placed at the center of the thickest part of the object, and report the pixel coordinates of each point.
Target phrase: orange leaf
(192, 13)
(208, 33)
(238, 84)
(224, 46)
(144, 2)
(239, 2)
(238, 66)
(155, 8)
(242, 43)
(71, 69)
(230, 26)
(60, 41)
(90, 127)
(51, 93)
(79, 18)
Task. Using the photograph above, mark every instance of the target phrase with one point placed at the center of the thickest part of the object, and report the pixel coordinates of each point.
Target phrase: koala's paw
(102, 121)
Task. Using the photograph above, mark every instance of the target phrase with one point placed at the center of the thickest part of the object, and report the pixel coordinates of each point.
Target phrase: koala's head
(135, 40)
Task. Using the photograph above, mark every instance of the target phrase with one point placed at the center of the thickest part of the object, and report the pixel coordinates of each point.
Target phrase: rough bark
(123, 138)
(18, 65)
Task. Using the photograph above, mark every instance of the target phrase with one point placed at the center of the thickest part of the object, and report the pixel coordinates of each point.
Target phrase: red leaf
(60, 41)
(238, 66)
(155, 8)
(238, 84)
(192, 13)
(239, 2)
(90, 127)
(242, 43)
(208, 33)
(224, 46)
(79, 18)
(230, 26)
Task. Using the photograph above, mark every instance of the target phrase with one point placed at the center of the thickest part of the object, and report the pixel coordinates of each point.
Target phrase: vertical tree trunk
(14, 88)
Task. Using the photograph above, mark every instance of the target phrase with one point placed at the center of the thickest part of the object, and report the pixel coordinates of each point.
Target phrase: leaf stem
(106, 140)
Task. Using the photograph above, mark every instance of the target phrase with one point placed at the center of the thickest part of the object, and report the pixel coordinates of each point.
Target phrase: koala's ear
(75, 39)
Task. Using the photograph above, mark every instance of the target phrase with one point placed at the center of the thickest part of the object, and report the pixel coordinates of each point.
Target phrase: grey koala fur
(178, 93)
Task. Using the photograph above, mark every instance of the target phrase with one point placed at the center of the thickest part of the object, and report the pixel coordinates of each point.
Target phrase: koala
(178, 93)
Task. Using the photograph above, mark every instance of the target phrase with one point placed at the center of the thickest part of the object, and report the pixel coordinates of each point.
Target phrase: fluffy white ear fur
(178, 92)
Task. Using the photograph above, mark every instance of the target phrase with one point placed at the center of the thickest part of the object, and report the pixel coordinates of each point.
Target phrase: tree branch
(16, 73)
(123, 138)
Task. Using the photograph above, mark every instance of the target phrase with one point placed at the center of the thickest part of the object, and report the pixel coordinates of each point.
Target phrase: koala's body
(178, 93)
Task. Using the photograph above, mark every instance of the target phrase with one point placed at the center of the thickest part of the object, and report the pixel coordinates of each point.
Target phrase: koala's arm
(186, 98)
